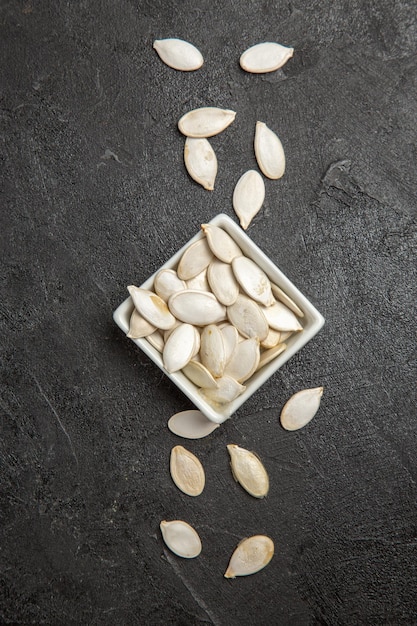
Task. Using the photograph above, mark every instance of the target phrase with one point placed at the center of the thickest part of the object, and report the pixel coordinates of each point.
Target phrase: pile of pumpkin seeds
(218, 317)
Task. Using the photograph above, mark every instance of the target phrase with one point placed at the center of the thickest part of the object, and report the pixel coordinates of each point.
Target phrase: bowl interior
(312, 322)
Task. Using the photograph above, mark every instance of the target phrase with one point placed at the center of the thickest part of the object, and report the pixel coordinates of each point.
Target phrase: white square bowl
(312, 322)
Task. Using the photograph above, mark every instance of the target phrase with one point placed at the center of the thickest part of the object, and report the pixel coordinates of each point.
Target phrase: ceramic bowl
(312, 322)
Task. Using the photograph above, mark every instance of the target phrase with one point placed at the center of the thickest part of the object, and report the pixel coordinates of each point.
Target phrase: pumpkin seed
(221, 244)
(222, 282)
(248, 471)
(265, 57)
(151, 307)
(244, 360)
(156, 340)
(199, 374)
(187, 471)
(138, 326)
(191, 424)
(228, 389)
(254, 282)
(166, 283)
(197, 307)
(181, 538)
(248, 318)
(269, 152)
(250, 556)
(269, 355)
(248, 197)
(300, 409)
(205, 122)
(195, 259)
(212, 352)
(280, 317)
(200, 161)
(178, 54)
(180, 347)
(285, 299)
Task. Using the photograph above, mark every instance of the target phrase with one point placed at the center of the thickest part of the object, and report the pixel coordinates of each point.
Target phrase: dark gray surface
(96, 198)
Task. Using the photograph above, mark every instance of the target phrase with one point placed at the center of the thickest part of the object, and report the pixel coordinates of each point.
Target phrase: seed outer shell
(191, 424)
(265, 57)
(178, 54)
(300, 409)
(200, 161)
(181, 538)
(269, 152)
(248, 197)
(187, 471)
(205, 122)
(249, 471)
(250, 556)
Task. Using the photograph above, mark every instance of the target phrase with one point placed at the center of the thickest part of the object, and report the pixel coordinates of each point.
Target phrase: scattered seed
(265, 57)
(187, 471)
(179, 54)
(248, 197)
(205, 122)
(181, 538)
(248, 471)
(191, 424)
(300, 409)
(269, 152)
(250, 556)
(200, 161)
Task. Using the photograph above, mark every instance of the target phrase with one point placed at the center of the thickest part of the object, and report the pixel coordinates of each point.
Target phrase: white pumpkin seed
(180, 347)
(187, 471)
(139, 327)
(285, 299)
(280, 317)
(197, 307)
(228, 389)
(265, 57)
(272, 339)
(286, 335)
(199, 374)
(269, 152)
(300, 409)
(221, 244)
(179, 54)
(248, 471)
(191, 424)
(181, 538)
(269, 355)
(212, 352)
(152, 307)
(205, 122)
(244, 361)
(250, 556)
(248, 318)
(248, 197)
(200, 161)
(199, 282)
(230, 339)
(166, 283)
(222, 282)
(156, 340)
(254, 282)
(168, 332)
(195, 259)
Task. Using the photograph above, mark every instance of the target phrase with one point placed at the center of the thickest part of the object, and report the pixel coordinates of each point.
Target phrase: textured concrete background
(95, 198)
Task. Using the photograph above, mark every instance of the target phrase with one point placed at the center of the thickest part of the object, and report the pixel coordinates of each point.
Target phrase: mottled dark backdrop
(96, 197)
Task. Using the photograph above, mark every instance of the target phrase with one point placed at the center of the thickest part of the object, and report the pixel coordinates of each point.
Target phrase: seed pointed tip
(229, 573)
